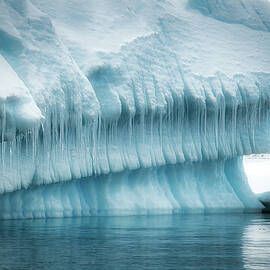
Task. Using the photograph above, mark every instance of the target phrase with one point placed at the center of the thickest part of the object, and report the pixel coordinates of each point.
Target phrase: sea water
(175, 242)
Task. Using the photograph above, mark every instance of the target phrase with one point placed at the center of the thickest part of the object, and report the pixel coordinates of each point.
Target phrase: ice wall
(139, 107)
(182, 188)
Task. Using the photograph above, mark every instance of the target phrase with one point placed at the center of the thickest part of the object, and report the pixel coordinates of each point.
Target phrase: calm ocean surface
(138, 242)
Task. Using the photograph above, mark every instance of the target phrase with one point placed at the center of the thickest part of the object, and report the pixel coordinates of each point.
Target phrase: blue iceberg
(118, 108)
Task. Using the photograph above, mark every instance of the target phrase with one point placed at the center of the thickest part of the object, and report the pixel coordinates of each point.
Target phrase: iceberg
(123, 107)
(264, 198)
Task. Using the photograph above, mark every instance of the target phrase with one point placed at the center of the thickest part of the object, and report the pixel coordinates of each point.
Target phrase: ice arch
(147, 110)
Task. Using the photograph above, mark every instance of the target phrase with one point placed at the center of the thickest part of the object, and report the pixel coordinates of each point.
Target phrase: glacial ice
(139, 107)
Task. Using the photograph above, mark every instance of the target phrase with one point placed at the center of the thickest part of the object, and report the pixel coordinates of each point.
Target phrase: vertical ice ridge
(68, 147)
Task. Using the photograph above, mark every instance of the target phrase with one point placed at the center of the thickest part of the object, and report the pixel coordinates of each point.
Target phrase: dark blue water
(138, 242)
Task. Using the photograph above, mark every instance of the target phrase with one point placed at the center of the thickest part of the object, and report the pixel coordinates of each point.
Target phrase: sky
(258, 172)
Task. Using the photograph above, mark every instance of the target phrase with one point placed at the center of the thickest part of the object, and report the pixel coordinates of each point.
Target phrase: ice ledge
(18, 110)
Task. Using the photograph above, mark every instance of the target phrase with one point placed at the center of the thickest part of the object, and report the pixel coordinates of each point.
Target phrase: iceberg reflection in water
(221, 241)
(256, 251)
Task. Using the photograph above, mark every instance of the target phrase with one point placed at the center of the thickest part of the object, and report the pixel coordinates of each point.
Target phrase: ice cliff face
(123, 107)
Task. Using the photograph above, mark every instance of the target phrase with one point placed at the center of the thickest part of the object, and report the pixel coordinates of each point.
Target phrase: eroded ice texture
(112, 107)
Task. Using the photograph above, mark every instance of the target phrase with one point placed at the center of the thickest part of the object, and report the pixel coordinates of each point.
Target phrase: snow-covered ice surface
(264, 198)
(126, 107)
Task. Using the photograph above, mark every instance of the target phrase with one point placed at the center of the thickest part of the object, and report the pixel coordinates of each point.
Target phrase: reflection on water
(256, 244)
(137, 242)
